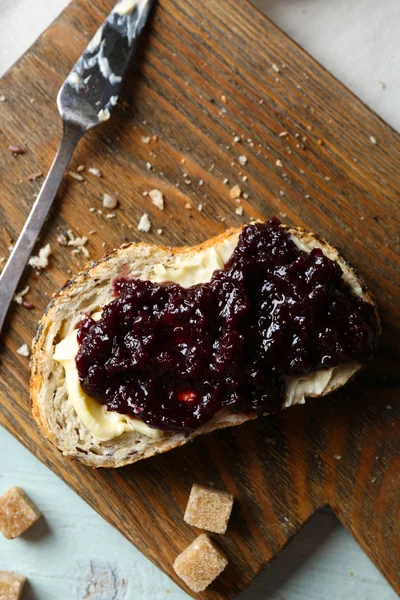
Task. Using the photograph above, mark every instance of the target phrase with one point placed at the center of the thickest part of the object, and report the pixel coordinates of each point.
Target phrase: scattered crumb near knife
(76, 176)
(35, 176)
(95, 172)
(19, 297)
(41, 261)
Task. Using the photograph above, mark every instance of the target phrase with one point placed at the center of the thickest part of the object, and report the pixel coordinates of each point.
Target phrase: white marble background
(73, 554)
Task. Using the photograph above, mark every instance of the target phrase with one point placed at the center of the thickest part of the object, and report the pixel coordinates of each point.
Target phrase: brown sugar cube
(11, 585)
(17, 513)
(208, 509)
(200, 563)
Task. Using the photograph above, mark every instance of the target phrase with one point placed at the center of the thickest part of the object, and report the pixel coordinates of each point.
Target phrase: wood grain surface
(208, 72)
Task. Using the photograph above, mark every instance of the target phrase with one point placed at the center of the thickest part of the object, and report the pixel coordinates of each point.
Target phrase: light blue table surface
(72, 554)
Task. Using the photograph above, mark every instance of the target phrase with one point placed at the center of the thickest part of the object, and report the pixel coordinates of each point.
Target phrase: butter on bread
(88, 292)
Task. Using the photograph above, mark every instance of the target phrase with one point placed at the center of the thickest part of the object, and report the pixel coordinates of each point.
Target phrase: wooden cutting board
(209, 71)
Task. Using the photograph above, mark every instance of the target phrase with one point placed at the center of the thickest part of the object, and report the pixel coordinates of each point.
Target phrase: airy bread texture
(90, 291)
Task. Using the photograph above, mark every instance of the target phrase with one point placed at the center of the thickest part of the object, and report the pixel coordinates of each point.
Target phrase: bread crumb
(95, 172)
(149, 166)
(244, 178)
(144, 223)
(80, 168)
(3, 98)
(225, 181)
(23, 350)
(35, 176)
(373, 140)
(111, 215)
(283, 134)
(92, 209)
(276, 68)
(236, 139)
(157, 198)
(75, 176)
(78, 244)
(337, 457)
(41, 261)
(109, 201)
(159, 231)
(239, 210)
(242, 160)
(200, 207)
(16, 149)
(19, 298)
(146, 139)
(235, 192)
(188, 206)
(201, 182)
(279, 163)
(224, 99)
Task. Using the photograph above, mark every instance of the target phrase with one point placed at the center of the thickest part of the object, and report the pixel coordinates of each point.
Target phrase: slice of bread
(90, 291)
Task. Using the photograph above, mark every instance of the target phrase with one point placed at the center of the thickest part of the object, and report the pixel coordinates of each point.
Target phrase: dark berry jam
(173, 357)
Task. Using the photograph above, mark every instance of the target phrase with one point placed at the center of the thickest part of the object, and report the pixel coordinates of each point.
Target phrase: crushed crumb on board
(157, 198)
(41, 261)
(76, 176)
(235, 192)
(35, 176)
(242, 160)
(78, 244)
(23, 350)
(146, 139)
(279, 163)
(19, 297)
(16, 149)
(109, 201)
(144, 223)
(95, 172)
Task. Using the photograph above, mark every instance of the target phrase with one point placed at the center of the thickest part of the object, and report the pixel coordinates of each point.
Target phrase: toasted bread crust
(90, 288)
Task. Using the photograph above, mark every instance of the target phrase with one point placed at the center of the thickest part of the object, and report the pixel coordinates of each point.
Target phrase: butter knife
(85, 100)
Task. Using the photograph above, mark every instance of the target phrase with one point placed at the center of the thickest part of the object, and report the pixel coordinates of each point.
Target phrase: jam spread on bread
(174, 357)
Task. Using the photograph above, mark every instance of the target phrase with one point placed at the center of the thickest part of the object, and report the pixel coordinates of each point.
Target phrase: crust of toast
(90, 290)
